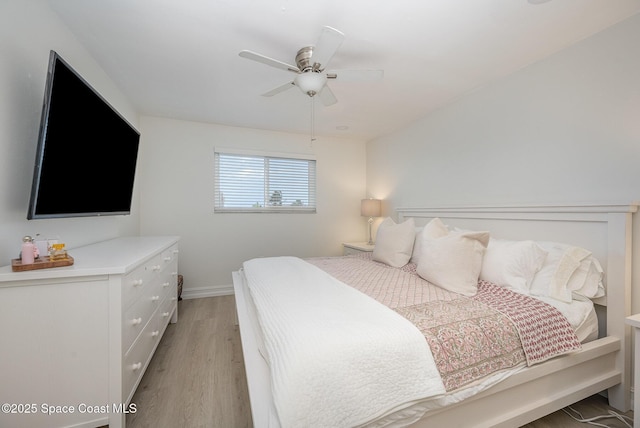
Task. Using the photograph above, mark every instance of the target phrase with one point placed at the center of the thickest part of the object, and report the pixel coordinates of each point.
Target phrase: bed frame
(602, 365)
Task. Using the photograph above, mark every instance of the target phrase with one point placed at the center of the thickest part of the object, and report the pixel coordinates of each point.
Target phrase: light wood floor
(197, 379)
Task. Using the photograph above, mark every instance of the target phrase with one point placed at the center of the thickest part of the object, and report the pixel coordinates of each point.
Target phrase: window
(248, 182)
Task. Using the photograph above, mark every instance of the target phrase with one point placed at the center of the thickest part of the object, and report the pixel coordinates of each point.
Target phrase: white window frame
(263, 206)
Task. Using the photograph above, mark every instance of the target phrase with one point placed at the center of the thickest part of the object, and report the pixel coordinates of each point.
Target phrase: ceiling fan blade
(268, 61)
(328, 43)
(279, 89)
(327, 97)
(356, 75)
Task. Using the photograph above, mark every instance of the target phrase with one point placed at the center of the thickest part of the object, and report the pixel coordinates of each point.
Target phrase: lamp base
(370, 221)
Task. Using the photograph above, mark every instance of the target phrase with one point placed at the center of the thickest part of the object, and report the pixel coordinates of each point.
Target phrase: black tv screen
(87, 152)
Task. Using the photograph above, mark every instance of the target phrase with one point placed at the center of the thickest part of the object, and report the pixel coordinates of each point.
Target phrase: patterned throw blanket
(470, 338)
(495, 330)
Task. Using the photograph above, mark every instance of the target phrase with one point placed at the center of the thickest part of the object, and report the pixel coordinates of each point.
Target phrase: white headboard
(606, 230)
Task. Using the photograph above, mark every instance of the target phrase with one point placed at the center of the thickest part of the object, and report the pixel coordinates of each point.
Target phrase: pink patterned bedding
(543, 330)
(373, 279)
(470, 338)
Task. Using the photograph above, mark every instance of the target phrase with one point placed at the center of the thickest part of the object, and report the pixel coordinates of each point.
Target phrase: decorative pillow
(417, 245)
(434, 229)
(453, 262)
(512, 264)
(394, 242)
(568, 270)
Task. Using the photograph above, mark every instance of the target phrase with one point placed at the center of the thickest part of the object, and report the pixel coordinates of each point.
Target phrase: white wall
(566, 129)
(28, 31)
(176, 197)
(174, 172)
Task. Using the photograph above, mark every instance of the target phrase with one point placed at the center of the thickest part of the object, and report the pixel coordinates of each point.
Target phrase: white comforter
(337, 357)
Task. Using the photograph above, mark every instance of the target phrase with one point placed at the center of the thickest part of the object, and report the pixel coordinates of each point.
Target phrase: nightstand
(350, 248)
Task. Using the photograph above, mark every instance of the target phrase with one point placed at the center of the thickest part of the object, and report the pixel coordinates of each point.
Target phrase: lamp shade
(370, 208)
(310, 83)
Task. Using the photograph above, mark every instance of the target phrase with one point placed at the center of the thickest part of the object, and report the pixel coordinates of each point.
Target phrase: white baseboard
(210, 291)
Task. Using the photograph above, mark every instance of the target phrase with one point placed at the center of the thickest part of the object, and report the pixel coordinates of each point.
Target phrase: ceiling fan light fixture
(310, 83)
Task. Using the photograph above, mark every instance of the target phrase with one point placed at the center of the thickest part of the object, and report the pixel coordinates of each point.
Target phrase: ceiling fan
(311, 68)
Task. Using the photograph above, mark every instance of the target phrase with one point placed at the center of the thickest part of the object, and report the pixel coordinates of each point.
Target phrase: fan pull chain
(313, 138)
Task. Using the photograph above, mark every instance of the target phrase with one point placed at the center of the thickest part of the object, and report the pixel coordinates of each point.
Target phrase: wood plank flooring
(197, 380)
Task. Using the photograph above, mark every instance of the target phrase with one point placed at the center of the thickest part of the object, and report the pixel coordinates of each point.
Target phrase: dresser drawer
(133, 284)
(138, 279)
(154, 266)
(166, 310)
(169, 279)
(138, 357)
(351, 251)
(170, 254)
(353, 248)
(136, 318)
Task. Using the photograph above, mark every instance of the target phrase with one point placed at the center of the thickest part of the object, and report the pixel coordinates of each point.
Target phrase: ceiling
(179, 59)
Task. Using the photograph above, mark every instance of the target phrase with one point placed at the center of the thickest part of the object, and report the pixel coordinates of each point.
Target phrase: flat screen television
(86, 154)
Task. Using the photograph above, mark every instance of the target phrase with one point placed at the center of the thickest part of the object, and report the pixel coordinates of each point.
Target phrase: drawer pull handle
(175, 251)
(136, 366)
(137, 282)
(156, 267)
(155, 298)
(167, 259)
(174, 273)
(136, 321)
(173, 299)
(165, 314)
(155, 333)
(166, 284)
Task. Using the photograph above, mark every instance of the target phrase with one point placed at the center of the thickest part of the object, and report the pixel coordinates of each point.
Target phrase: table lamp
(370, 208)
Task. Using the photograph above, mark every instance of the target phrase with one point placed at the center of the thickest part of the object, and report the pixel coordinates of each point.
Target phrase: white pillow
(587, 279)
(417, 245)
(453, 262)
(512, 264)
(394, 242)
(568, 270)
(434, 229)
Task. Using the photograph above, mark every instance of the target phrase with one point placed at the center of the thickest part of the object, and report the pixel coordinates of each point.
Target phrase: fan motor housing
(303, 59)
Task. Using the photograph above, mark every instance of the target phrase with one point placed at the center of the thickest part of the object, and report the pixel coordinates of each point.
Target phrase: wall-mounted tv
(87, 152)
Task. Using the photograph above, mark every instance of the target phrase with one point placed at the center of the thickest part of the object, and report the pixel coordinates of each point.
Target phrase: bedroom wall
(563, 130)
(176, 197)
(28, 31)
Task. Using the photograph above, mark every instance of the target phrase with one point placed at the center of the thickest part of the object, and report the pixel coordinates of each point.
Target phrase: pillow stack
(456, 260)
(568, 273)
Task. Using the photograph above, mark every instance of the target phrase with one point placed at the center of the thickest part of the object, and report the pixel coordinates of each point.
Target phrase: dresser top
(114, 256)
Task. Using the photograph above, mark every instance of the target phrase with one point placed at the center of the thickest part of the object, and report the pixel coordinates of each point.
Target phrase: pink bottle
(27, 251)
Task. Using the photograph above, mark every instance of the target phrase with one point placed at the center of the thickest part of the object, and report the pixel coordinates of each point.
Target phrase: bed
(510, 397)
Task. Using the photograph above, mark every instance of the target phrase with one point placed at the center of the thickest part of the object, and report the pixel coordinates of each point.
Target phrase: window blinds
(258, 183)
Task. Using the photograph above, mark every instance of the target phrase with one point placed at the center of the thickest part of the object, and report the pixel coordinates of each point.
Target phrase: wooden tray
(40, 263)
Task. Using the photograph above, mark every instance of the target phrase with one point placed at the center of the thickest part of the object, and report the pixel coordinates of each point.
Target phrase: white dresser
(75, 341)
